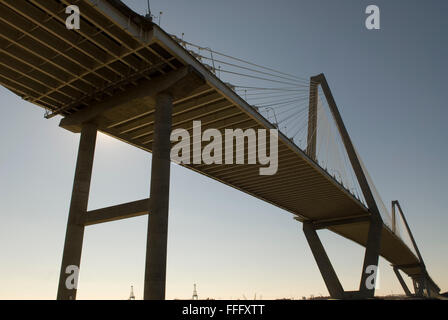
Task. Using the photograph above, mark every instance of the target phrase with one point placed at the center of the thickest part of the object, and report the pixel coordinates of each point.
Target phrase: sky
(390, 88)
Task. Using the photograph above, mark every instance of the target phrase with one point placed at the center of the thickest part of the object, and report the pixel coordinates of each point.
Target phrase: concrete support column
(71, 258)
(156, 248)
(403, 284)
(420, 286)
(323, 262)
(371, 257)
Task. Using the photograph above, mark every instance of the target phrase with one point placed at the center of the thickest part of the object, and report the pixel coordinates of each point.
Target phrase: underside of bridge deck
(122, 75)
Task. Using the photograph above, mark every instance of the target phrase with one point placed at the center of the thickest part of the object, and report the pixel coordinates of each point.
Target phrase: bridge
(122, 75)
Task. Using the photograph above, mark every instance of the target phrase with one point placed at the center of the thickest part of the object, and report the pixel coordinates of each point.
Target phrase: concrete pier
(156, 248)
(323, 262)
(78, 207)
(371, 257)
(402, 283)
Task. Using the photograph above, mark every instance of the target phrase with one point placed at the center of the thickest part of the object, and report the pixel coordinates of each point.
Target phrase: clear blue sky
(390, 86)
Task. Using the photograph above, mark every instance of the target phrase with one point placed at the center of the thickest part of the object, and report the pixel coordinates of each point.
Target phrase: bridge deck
(112, 62)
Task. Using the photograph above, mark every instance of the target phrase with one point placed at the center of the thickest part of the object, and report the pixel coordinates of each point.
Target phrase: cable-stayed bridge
(123, 75)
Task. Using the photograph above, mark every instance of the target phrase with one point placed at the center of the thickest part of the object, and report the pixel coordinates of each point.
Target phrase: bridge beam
(323, 224)
(118, 212)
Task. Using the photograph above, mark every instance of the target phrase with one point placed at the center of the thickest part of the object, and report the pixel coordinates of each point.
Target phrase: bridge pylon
(424, 286)
(371, 257)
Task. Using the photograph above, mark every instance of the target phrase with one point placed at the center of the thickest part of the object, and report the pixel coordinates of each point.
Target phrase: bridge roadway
(107, 73)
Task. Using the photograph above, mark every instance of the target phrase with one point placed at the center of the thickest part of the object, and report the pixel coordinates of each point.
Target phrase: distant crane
(195, 293)
(132, 296)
